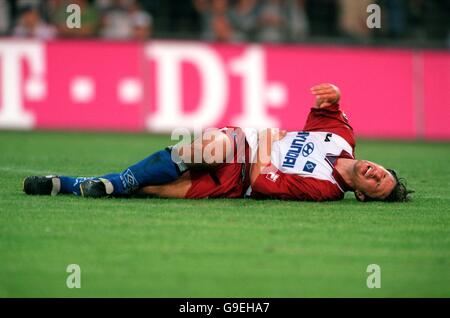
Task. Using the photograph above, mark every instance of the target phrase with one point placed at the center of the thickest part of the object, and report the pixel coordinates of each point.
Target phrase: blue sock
(157, 168)
(71, 185)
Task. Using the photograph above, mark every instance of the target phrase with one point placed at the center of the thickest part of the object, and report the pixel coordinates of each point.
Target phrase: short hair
(398, 194)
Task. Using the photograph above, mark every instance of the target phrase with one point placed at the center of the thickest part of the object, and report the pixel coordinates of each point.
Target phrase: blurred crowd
(47, 19)
(298, 20)
(275, 21)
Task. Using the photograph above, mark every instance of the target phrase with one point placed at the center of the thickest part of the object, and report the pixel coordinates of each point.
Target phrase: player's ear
(360, 196)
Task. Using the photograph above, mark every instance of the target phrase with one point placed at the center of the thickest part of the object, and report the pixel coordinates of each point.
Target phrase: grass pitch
(216, 248)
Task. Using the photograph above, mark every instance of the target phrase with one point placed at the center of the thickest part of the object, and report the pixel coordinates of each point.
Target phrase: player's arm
(326, 114)
(265, 140)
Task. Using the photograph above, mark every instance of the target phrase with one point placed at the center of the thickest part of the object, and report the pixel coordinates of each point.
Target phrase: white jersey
(307, 153)
(303, 162)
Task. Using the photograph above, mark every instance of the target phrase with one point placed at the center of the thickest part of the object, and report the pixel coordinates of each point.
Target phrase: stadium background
(90, 100)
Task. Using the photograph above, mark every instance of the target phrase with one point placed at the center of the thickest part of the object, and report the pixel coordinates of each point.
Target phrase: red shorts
(228, 180)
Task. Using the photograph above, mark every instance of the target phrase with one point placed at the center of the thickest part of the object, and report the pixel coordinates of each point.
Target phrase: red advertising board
(161, 85)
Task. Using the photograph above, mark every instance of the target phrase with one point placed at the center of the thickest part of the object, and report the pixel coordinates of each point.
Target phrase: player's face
(372, 179)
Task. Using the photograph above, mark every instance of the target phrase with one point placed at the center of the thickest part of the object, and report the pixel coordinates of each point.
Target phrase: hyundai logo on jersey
(308, 149)
(296, 148)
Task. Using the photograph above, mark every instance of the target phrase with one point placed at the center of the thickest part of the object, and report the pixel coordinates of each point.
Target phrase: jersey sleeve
(279, 185)
(330, 119)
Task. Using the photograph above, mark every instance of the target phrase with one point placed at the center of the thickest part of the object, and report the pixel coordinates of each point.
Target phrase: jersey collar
(332, 159)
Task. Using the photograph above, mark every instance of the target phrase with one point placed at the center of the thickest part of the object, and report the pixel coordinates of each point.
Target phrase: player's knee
(213, 148)
(217, 147)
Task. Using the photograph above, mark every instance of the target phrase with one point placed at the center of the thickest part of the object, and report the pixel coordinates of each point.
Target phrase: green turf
(212, 248)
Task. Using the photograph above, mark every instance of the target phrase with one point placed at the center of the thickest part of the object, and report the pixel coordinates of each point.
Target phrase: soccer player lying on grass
(315, 164)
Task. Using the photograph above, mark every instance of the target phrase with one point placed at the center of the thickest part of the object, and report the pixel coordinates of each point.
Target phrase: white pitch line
(20, 170)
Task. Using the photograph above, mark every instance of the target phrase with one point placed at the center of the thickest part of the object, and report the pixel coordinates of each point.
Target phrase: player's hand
(326, 95)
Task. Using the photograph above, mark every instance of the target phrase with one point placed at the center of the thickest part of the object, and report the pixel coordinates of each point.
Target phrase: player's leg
(207, 152)
(224, 180)
(157, 168)
(175, 189)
